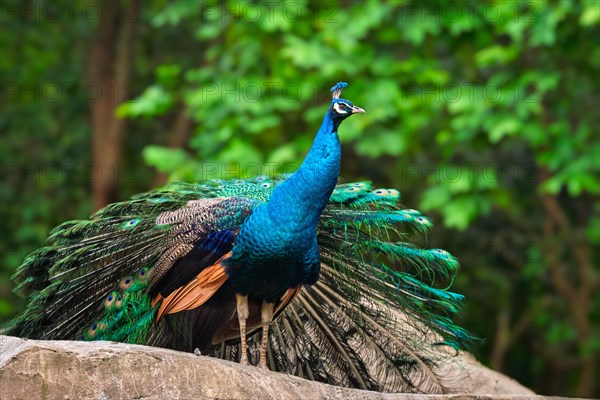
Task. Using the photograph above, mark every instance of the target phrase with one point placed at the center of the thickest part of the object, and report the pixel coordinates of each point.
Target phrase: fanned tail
(93, 279)
(378, 318)
(380, 315)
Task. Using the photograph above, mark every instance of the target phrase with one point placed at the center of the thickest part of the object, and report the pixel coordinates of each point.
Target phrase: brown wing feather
(195, 293)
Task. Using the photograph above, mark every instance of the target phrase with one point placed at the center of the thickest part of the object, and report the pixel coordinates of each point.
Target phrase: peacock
(297, 273)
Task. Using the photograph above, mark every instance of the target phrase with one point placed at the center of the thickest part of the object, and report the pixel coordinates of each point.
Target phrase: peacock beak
(356, 110)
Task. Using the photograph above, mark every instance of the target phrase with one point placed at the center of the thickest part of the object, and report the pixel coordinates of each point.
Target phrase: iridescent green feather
(381, 300)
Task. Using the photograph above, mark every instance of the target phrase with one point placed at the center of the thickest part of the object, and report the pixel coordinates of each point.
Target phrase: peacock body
(198, 266)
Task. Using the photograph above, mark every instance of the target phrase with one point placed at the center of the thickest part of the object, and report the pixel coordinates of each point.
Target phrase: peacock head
(341, 108)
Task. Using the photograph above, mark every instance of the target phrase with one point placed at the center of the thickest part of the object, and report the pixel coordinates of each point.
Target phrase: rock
(31, 369)
(465, 375)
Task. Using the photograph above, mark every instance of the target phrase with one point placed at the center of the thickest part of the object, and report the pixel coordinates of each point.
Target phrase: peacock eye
(343, 106)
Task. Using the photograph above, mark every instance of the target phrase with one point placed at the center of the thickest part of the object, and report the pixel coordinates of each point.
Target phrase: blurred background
(485, 115)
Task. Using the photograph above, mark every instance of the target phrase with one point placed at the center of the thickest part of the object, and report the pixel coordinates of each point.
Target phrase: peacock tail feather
(382, 307)
(373, 320)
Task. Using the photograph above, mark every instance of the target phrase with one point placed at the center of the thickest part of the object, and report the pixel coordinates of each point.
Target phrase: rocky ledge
(31, 369)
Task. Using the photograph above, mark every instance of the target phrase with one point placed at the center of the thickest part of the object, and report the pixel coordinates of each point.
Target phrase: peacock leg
(242, 311)
(266, 316)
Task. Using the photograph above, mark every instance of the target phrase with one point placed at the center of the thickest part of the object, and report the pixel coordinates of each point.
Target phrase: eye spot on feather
(352, 189)
(110, 300)
(130, 224)
(92, 331)
(119, 301)
(95, 328)
(261, 178)
(423, 221)
(126, 282)
(239, 182)
(142, 275)
(441, 252)
(266, 185)
(389, 193)
(381, 192)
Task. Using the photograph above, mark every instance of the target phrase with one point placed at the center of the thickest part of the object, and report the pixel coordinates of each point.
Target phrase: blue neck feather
(300, 199)
(276, 248)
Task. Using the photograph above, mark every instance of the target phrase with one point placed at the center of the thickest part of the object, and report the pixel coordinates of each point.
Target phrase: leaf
(153, 102)
(284, 154)
(505, 127)
(495, 55)
(241, 154)
(434, 198)
(590, 14)
(164, 159)
(381, 143)
(209, 30)
(460, 212)
(552, 185)
(260, 124)
(168, 75)
(583, 182)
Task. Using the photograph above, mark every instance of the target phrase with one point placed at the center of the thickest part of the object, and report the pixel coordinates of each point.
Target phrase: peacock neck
(299, 200)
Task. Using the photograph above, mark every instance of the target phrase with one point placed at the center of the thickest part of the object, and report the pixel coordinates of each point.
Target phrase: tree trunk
(575, 282)
(109, 71)
(178, 138)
